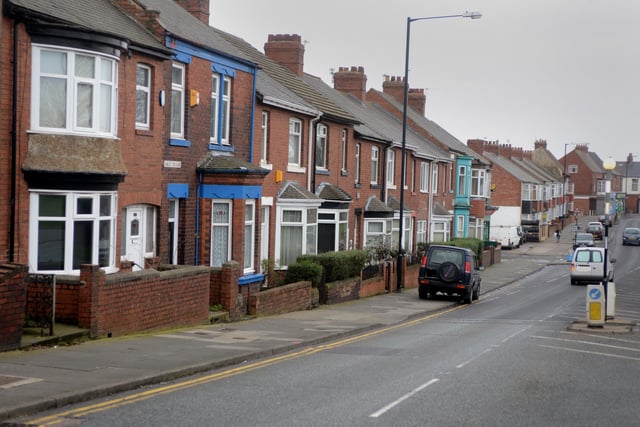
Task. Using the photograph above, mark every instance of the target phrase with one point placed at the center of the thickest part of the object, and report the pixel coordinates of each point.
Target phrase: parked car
(449, 270)
(587, 266)
(583, 239)
(597, 229)
(631, 236)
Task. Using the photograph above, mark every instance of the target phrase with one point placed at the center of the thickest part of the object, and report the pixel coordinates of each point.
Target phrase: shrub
(304, 270)
(339, 265)
(476, 245)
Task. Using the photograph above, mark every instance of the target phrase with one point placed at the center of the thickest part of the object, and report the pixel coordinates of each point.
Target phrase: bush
(339, 265)
(304, 270)
(476, 245)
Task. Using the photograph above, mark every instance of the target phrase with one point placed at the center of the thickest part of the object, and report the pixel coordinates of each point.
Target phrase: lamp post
(609, 164)
(472, 15)
(564, 184)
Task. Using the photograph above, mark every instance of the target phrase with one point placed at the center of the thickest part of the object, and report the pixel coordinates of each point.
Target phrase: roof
(375, 205)
(293, 190)
(512, 168)
(222, 163)
(91, 15)
(288, 79)
(435, 130)
(628, 169)
(182, 24)
(329, 191)
(375, 122)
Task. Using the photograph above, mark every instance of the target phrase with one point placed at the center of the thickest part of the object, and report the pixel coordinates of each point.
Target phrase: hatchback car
(597, 229)
(631, 236)
(449, 270)
(587, 266)
(583, 239)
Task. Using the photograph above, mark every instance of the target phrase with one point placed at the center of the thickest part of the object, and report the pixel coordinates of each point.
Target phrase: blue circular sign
(594, 293)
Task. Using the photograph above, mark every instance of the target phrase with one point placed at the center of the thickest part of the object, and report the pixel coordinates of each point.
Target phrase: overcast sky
(567, 71)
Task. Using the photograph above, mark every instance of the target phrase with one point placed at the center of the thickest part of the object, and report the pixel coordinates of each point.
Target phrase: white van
(507, 236)
(587, 265)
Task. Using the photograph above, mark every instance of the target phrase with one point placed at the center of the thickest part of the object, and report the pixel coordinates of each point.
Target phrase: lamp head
(472, 15)
(609, 164)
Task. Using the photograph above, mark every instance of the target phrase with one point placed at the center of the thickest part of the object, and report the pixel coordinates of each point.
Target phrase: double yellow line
(59, 417)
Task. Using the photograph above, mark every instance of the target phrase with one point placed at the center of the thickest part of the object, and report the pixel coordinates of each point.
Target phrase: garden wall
(283, 299)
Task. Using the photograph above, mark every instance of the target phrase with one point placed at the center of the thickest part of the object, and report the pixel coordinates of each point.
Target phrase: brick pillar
(229, 288)
(92, 279)
(13, 300)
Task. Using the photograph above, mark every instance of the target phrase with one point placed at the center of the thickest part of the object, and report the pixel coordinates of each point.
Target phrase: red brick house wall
(13, 300)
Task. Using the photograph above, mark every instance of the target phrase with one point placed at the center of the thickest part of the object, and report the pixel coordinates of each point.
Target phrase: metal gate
(41, 302)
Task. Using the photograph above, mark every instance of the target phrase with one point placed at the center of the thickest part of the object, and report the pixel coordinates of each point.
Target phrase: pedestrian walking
(558, 236)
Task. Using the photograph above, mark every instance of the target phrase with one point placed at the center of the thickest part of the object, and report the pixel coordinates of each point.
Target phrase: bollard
(595, 306)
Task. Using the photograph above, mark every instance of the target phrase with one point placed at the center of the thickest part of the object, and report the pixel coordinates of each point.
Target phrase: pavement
(39, 378)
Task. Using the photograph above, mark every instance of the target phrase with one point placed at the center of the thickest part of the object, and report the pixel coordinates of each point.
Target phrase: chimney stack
(198, 8)
(352, 81)
(286, 50)
(394, 87)
(417, 100)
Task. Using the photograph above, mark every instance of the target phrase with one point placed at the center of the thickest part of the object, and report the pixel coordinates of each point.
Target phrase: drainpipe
(14, 146)
(311, 159)
(198, 191)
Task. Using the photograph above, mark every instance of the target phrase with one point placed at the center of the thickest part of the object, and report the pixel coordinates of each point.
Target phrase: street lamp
(472, 15)
(609, 164)
(564, 183)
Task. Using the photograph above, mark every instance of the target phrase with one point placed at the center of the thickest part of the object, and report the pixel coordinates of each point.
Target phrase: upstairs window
(177, 100)
(478, 183)
(295, 140)
(375, 154)
(424, 178)
(220, 107)
(74, 91)
(462, 181)
(321, 147)
(143, 96)
(391, 166)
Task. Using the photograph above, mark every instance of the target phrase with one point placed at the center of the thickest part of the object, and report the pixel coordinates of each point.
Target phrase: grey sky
(567, 71)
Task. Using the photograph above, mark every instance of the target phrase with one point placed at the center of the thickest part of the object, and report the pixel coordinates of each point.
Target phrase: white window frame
(434, 178)
(321, 146)
(98, 216)
(357, 171)
(295, 142)
(572, 169)
(264, 126)
(308, 225)
(375, 159)
(424, 177)
(440, 228)
(143, 96)
(249, 236)
(478, 183)
(104, 92)
(391, 165)
(177, 101)
(174, 222)
(462, 180)
(421, 231)
(460, 226)
(228, 225)
(220, 109)
(378, 236)
(344, 140)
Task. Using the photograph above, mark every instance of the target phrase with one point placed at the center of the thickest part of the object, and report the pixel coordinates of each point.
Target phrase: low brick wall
(283, 299)
(13, 301)
(128, 302)
(340, 291)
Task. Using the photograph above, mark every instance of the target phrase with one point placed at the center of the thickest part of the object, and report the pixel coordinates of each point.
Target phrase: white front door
(264, 235)
(134, 236)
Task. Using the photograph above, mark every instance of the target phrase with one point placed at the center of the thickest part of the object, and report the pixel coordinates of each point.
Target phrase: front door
(134, 237)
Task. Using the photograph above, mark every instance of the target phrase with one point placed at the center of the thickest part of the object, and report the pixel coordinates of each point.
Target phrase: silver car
(587, 266)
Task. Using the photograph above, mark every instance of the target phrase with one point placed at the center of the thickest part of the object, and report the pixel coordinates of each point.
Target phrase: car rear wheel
(468, 297)
(423, 293)
(476, 293)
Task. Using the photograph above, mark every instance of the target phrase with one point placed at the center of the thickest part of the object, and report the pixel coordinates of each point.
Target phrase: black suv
(449, 270)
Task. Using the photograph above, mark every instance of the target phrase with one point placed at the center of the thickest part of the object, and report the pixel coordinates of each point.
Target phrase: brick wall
(123, 303)
(13, 300)
(283, 299)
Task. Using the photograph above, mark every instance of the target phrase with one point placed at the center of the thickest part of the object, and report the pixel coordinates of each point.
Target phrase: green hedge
(304, 270)
(476, 245)
(338, 265)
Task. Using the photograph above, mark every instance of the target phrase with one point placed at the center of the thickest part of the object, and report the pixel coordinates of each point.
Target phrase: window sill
(176, 142)
(296, 169)
(219, 147)
(144, 132)
(264, 165)
(322, 171)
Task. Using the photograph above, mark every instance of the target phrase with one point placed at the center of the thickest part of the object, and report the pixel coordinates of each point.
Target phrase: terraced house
(138, 135)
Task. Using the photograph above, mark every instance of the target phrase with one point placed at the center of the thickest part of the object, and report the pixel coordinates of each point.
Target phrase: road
(505, 360)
